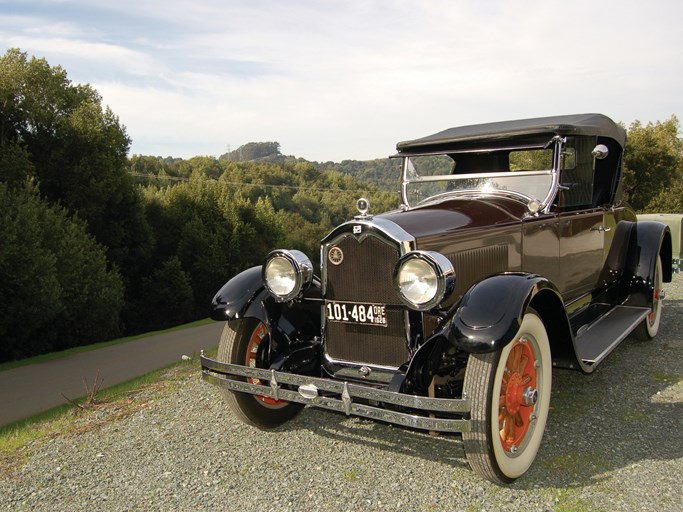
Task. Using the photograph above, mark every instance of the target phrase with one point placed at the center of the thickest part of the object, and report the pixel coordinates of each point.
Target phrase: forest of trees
(96, 244)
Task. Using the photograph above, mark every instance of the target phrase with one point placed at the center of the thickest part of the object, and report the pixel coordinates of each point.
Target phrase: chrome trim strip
(476, 175)
(218, 373)
(558, 149)
(355, 364)
(373, 374)
(382, 228)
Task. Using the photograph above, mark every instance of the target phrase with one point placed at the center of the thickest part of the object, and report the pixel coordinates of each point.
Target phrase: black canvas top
(577, 124)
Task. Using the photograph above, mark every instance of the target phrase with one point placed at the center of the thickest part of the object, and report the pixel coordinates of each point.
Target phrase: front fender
(487, 318)
(245, 296)
(490, 313)
(239, 295)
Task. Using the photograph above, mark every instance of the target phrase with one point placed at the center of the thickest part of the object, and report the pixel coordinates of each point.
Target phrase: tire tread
(245, 406)
(479, 453)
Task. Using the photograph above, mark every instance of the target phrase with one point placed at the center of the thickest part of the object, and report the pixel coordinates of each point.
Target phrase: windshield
(525, 174)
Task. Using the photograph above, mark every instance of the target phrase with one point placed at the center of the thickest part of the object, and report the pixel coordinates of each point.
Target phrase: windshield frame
(534, 204)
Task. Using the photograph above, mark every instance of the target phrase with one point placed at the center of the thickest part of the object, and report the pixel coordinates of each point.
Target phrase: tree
(669, 200)
(207, 166)
(653, 165)
(77, 151)
(15, 164)
(55, 288)
(166, 297)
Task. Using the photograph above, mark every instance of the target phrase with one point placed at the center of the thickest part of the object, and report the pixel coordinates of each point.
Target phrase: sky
(332, 80)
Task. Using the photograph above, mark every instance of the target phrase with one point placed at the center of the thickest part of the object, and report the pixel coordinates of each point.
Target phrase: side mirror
(600, 152)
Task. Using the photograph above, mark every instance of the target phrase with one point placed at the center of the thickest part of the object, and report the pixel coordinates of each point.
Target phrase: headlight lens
(286, 274)
(424, 279)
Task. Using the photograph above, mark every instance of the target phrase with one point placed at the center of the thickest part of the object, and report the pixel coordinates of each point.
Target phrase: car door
(582, 242)
(541, 247)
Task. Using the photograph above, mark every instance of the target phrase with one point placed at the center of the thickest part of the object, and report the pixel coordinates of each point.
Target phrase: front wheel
(510, 395)
(245, 343)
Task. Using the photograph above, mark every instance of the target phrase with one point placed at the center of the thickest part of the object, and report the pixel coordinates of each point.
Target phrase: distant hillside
(252, 151)
(384, 173)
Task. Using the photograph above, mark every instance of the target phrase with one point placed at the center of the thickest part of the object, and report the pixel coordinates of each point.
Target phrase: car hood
(457, 215)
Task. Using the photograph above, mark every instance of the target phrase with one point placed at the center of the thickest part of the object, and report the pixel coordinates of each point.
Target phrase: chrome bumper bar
(339, 396)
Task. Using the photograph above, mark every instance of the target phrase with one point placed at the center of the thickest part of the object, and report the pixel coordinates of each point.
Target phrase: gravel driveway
(613, 442)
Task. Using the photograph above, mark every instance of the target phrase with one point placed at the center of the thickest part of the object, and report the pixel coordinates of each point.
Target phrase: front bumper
(422, 412)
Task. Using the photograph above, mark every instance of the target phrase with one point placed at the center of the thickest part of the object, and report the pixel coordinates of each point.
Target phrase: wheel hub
(518, 395)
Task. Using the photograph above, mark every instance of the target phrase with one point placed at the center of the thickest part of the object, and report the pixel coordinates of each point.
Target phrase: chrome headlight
(286, 274)
(424, 279)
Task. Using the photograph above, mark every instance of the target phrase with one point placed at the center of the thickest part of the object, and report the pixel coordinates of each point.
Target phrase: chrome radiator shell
(369, 249)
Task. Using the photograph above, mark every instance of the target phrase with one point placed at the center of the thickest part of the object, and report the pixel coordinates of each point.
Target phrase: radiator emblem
(336, 256)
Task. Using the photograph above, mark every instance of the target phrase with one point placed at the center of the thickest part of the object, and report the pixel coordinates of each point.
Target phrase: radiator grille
(365, 275)
(383, 346)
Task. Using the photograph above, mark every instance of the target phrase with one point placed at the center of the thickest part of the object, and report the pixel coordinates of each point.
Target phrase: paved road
(35, 388)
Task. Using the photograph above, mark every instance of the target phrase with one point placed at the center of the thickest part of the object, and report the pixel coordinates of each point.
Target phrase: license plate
(356, 313)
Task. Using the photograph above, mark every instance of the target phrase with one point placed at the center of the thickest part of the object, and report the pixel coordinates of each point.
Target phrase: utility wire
(247, 184)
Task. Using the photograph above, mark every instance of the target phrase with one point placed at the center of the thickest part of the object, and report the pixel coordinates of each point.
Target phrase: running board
(600, 338)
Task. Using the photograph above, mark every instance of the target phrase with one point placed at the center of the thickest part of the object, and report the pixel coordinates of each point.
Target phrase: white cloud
(333, 79)
(116, 57)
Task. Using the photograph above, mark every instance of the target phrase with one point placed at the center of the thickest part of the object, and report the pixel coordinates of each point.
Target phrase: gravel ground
(613, 442)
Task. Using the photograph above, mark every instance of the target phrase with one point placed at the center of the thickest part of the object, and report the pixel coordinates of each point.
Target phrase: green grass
(569, 500)
(86, 348)
(566, 406)
(351, 475)
(666, 378)
(573, 464)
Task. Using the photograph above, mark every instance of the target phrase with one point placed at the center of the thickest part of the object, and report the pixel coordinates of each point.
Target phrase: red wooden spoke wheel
(253, 356)
(245, 342)
(510, 395)
(518, 395)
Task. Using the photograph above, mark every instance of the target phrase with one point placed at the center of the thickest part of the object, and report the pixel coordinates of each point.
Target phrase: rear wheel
(245, 343)
(649, 327)
(510, 395)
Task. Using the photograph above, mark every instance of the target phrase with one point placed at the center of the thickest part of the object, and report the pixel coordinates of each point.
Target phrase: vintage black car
(512, 252)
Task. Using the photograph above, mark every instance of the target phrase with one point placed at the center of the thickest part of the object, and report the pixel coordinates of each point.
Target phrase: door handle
(601, 229)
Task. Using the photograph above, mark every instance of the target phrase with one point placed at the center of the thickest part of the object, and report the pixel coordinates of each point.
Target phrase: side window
(531, 160)
(576, 176)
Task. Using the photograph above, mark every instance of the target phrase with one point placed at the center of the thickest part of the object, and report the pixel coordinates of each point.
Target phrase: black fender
(490, 313)
(294, 326)
(241, 297)
(649, 240)
(487, 318)
(618, 252)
